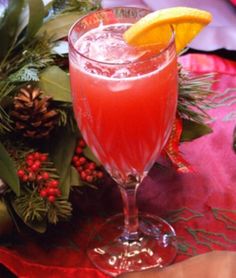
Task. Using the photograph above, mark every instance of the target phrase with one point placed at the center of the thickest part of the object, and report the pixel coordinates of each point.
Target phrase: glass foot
(155, 245)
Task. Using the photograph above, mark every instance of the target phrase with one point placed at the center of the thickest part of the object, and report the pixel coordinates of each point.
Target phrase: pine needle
(194, 96)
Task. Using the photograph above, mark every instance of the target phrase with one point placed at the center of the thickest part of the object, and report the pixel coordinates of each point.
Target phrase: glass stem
(131, 222)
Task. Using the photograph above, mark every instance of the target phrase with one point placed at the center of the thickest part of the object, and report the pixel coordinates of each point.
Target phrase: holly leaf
(58, 27)
(8, 171)
(89, 154)
(38, 226)
(31, 209)
(36, 15)
(55, 83)
(5, 219)
(65, 185)
(61, 152)
(75, 177)
(72, 178)
(9, 26)
(193, 130)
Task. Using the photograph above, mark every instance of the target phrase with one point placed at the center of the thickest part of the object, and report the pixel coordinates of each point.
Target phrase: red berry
(29, 157)
(29, 162)
(51, 191)
(77, 163)
(91, 166)
(57, 192)
(51, 199)
(25, 178)
(100, 174)
(43, 193)
(43, 157)
(53, 183)
(20, 173)
(31, 176)
(88, 172)
(78, 150)
(45, 175)
(36, 155)
(35, 167)
(82, 160)
(83, 175)
(38, 163)
(75, 158)
(39, 178)
(89, 178)
(80, 169)
(82, 143)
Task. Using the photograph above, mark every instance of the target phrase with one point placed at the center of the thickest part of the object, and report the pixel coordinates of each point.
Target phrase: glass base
(155, 245)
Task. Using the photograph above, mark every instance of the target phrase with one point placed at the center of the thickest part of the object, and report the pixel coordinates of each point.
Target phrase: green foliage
(35, 56)
(58, 27)
(36, 212)
(75, 177)
(55, 83)
(85, 6)
(89, 154)
(5, 218)
(31, 209)
(36, 15)
(194, 93)
(9, 26)
(26, 56)
(64, 14)
(5, 121)
(60, 210)
(30, 206)
(61, 152)
(25, 74)
(8, 171)
(72, 178)
(193, 130)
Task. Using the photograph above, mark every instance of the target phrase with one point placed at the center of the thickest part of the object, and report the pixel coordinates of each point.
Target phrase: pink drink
(124, 99)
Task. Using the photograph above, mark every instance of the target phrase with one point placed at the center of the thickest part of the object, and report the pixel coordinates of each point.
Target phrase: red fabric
(233, 2)
(61, 253)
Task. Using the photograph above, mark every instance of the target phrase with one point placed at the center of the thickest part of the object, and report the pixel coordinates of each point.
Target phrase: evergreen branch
(24, 74)
(194, 93)
(66, 116)
(5, 89)
(60, 210)
(35, 54)
(5, 121)
(60, 7)
(31, 207)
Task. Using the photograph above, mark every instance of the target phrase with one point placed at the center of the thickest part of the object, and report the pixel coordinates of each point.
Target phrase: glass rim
(71, 43)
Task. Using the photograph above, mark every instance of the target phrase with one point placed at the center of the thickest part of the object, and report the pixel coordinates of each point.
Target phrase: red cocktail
(124, 100)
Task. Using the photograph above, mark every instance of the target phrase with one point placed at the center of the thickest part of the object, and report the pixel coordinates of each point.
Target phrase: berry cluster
(32, 171)
(88, 170)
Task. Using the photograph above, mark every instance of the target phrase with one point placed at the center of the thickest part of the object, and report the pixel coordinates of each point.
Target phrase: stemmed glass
(124, 101)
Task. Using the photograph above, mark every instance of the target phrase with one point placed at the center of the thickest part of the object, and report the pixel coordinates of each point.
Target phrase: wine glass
(124, 100)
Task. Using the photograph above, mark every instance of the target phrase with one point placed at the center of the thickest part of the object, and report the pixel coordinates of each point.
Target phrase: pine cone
(33, 116)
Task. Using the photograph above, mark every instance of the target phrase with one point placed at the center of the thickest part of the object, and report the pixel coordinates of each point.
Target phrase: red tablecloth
(201, 205)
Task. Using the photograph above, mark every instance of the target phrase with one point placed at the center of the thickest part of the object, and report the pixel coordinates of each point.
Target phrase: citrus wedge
(154, 28)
